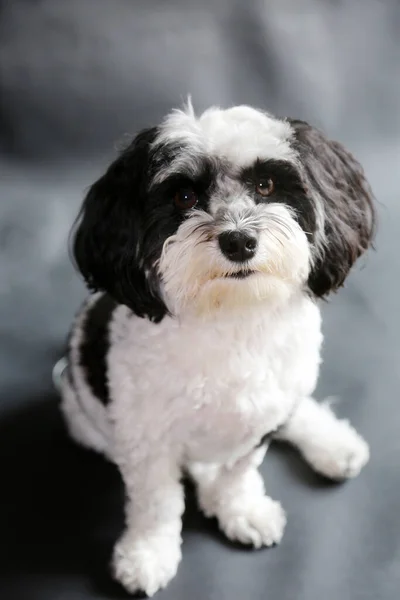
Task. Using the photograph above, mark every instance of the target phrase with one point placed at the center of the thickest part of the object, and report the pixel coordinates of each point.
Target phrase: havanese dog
(207, 245)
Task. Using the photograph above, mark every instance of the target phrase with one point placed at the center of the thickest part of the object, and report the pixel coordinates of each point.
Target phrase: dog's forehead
(238, 135)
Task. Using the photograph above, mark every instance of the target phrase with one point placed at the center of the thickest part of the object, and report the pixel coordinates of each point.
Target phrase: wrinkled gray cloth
(76, 77)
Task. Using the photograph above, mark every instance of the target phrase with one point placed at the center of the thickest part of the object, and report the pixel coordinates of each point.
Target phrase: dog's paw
(342, 455)
(260, 524)
(146, 564)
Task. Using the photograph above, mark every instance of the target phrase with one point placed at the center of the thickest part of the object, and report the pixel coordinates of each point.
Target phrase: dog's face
(228, 209)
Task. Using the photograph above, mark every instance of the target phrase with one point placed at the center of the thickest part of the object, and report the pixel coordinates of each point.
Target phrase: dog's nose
(237, 246)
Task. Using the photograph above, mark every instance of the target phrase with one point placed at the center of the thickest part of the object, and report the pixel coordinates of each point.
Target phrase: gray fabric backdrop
(75, 78)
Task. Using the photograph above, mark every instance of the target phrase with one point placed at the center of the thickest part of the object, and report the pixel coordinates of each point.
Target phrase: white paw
(342, 456)
(260, 524)
(146, 564)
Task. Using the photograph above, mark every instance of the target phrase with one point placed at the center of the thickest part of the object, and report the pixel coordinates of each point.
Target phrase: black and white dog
(207, 244)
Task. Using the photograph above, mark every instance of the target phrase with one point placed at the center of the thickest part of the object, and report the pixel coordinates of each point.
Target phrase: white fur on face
(196, 275)
(239, 135)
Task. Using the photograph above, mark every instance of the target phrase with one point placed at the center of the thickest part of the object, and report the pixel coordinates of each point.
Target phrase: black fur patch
(109, 246)
(95, 344)
(289, 189)
(337, 179)
(162, 217)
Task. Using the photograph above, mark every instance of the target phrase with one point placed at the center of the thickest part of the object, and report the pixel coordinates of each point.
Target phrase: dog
(207, 246)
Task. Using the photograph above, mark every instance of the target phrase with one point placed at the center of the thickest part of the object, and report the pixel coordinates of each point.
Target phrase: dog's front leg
(235, 495)
(147, 555)
(330, 445)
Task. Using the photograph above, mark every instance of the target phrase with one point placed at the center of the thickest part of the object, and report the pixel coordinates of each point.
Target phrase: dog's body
(205, 338)
(205, 377)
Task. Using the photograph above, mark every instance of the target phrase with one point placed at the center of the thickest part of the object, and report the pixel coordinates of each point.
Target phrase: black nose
(237, 246)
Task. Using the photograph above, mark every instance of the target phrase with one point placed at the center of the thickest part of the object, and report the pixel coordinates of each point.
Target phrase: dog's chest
(219, 387)
(236, 391)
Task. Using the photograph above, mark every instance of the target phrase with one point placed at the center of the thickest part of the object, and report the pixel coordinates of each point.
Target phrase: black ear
(108, 235)
(344, 203)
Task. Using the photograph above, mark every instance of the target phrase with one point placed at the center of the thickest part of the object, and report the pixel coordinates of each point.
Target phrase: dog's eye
(265, 187)
(185, 199)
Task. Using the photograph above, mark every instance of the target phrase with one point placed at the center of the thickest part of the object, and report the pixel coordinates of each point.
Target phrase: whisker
(276, 237)
(284, 228)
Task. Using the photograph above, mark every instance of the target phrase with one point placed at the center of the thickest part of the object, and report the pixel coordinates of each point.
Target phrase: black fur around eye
(185, 199)
(265, 187)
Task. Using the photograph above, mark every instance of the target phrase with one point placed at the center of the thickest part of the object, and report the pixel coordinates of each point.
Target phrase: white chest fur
(218, 385)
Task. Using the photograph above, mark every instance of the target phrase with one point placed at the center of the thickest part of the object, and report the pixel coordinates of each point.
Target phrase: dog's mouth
(243, 274)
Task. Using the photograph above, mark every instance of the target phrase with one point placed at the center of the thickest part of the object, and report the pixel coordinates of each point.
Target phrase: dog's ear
(108, 234)
(344, 205)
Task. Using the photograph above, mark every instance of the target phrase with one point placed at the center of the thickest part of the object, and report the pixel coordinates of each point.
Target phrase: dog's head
(231, 208)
